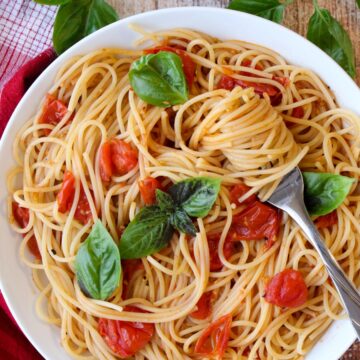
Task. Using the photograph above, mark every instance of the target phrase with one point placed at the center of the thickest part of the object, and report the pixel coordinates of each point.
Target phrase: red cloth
(13, 343)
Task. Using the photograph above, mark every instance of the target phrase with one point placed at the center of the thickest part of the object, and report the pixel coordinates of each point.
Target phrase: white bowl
(15, 278)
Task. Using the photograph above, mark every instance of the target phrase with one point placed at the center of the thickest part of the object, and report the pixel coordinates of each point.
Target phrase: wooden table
(296, 18)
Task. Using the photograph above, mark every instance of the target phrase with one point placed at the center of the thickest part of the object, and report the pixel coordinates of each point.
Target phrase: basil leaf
(269, 9)
(358, 2)
(52, 2)
(196, 196)
(328, 34)
(77, 19)
(159, 79)
(147, 233)
(182, 222)
(325, 192)
(97, 264)
(164, 201)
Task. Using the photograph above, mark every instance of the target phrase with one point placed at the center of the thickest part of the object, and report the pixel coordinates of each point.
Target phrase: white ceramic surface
(15, 278)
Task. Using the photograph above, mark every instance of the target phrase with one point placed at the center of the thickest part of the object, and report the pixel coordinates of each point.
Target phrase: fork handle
(347, 291)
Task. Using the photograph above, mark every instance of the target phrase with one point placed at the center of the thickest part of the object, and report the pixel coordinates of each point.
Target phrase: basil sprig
(325, 192)
(328, 34)
(269, 9)
(97, 264)
(153, 227)
(52, 2)
(159, 79)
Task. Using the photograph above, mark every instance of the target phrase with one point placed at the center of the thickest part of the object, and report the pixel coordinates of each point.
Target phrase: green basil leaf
(159, 79)
(182, 222)
(325, 192)
(147, 233)
(358, 2)
(196, 196)
(165, 201)
(328, 34)
(269, 9)
(97, 264)
(52, 2)
(77, 19)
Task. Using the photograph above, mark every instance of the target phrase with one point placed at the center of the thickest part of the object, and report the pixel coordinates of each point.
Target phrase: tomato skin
(214, 339)
(53, 111)
(83, 211)
(237, 191)
(105, 163)
(256, 222)
(148, 188)
(65, 196)
(22, 216)
(213, 244)
(284, 81)
(327, 220)
(204, 307)
(188, 64)
(298, 112)
(286, 289)
(129, 267)
(125, 338)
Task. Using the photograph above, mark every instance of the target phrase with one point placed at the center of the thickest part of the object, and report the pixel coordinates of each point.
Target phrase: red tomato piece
(33, 247)
(83, 211)
(53, 111)
(284, 81)
(327, 220)
(126, 338)
(213, 243)
(204, 307)
(188, 64)
(129, 267)
(148, 188)
(298, 112)
(214, 339)
(65, 196)
(258, 221)
(286, 289)
(106, 167)
(238, 191)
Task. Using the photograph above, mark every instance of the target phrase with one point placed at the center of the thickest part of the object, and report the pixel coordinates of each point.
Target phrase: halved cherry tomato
(126, 338)
(214, 339)
(188, 64)
(327, 220)
(286, 289)
(83, 211)
(21, 216)
(53, 111)
(117, 157)
(129, 267)
(148, 188)
(238, 191)
(258, 221)
(203, 306)
(65, 196)
(213, 243)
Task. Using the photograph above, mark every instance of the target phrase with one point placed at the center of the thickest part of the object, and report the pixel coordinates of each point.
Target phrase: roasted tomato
(258, 221)
(188, 64)
(83, 211)
(238, 191)
(22, 216)
(203, 306)
(148, 188)
(298, 112)
(214, 339)
(213, 243)
(129, 267)
(53, 111)
(286, 289)
(117, 157)
(327, 220)
(126, 338)
(65, 196)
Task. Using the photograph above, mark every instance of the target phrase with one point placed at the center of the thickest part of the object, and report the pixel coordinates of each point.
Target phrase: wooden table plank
(296, 18)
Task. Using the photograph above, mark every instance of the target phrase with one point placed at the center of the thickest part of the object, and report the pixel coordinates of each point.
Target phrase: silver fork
(289, 196)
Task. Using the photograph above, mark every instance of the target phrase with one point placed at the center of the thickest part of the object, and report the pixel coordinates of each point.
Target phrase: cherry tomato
(203, 307)
(214, 339)
(298, 112)
(213, 243)
(238, 191)
(286, 289)
(327, 220)
(117, 157)
(148, 188)
(256, 222)
(53, 111)
(284, 81)
(83, 211)
(125, 338)
(65, 196)
(129, 267)
(21, 216)
(188, 64)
